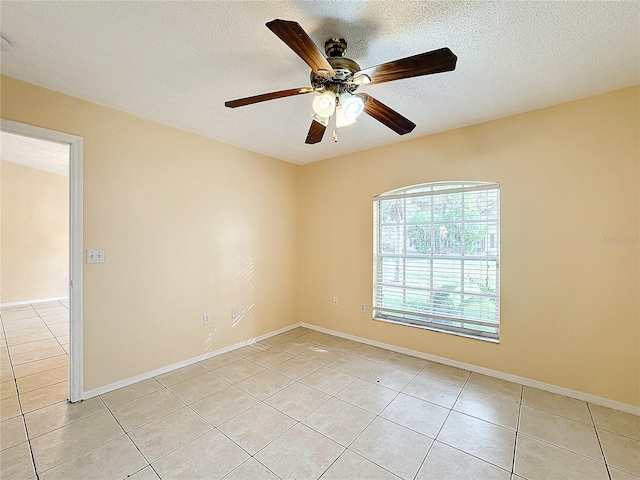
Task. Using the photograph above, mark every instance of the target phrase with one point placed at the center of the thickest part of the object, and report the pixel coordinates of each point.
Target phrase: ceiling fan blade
(316, 131)
(386, 115)
(297, 39)
(442, 60)
(267, 96)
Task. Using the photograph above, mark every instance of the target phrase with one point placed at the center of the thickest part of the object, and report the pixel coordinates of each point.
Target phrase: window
(436, 257)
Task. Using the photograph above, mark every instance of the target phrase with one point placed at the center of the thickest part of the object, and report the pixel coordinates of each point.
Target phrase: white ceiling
(32, 152)
(178, 62)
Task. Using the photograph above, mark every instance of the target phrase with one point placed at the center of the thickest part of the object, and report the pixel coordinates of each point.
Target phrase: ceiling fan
(335, 78)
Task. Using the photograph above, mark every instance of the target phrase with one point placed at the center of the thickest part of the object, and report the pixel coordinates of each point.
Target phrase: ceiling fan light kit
(336, 78)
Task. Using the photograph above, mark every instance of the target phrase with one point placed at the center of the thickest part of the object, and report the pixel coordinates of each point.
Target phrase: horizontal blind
(437, 257)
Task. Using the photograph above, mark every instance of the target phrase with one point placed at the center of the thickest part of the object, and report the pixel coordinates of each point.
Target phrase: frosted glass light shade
(352, 106)
(324, 104)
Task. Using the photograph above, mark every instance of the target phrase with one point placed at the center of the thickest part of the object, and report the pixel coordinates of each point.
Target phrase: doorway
(75, 248)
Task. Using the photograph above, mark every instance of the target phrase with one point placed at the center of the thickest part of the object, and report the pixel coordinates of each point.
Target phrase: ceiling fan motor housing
(344, 67)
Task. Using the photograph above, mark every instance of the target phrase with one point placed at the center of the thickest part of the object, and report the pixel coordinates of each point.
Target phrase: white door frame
(75, 242)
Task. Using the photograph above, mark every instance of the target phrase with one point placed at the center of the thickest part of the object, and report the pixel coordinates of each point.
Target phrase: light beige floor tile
(339, 421)
(389, 377)
(256, 427)
(342, 344)
(446, 373)
(42, 379)
(494, 386)
(210, 456)
(219, 361)
(9, 317)
(269, 358)
(558, 404)
(9, 408)
(295, 346)
(296, 368)
(63, 340)
(41, 366)
(563, 432)
(130, 392)
(498, 410)
(117, 458)
(621, 452)
(45, 334)
(620, 475)
(352, 365)
(367, 396)
(276, 340)
(446, 463)
(44, 396)
(481, 439)
(393, 447)
(55, 318)
(237, 371)
(12, 432)
(375, 354)
(16, 463)
(300, 453)
(8, 389)
(36, 355)
(615, 421)
(168, 433)
(6, 373)
(136, 413)
(423, 417)
(27, 332)
(251, 470)
(14, 326)
(434, 391)
(249, 350)
(537, 460)
(224, 405)
(60, 414)
(146, 473)
(354, 467)
(197, 388)
(299, 331)
(321, 354)
(59, 330)
(31, 346)
(297, 400)
(65, 443)
(407, 363)
(46, 310)
(180, 375)
(318, 338)
(264, 384)
(328, 380)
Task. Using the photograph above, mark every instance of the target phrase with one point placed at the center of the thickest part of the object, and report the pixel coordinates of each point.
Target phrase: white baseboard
(605, 402)
(183, 363)
(27, 302)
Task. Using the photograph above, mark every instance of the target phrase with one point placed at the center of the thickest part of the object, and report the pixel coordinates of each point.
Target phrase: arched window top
(435, 188)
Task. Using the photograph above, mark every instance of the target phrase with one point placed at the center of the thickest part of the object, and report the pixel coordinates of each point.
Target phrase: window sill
(436, 329)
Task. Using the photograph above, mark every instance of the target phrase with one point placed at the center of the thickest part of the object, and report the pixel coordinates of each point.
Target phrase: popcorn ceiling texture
(178, 62)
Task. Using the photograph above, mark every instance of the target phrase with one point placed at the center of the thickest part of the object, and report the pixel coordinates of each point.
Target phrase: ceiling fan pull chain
(335, 134)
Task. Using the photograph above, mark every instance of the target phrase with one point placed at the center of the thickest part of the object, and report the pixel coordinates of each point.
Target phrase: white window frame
(454, 324)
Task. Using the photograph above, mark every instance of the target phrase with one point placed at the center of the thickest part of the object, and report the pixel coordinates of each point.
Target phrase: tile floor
(302, 405)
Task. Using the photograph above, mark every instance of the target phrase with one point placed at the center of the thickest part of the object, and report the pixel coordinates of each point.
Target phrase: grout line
(606, 464)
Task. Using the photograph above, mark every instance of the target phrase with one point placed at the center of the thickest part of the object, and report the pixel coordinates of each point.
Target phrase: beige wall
(569, 176)
(188, 225)
(34, 251)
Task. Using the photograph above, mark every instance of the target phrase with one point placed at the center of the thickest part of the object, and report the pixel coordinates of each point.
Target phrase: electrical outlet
(95, 256)
(206, 319)
(335, 301)
(363, 307)
(234, 313)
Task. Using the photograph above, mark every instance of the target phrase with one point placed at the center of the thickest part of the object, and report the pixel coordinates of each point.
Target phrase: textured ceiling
(32, 152)
(177, 62)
